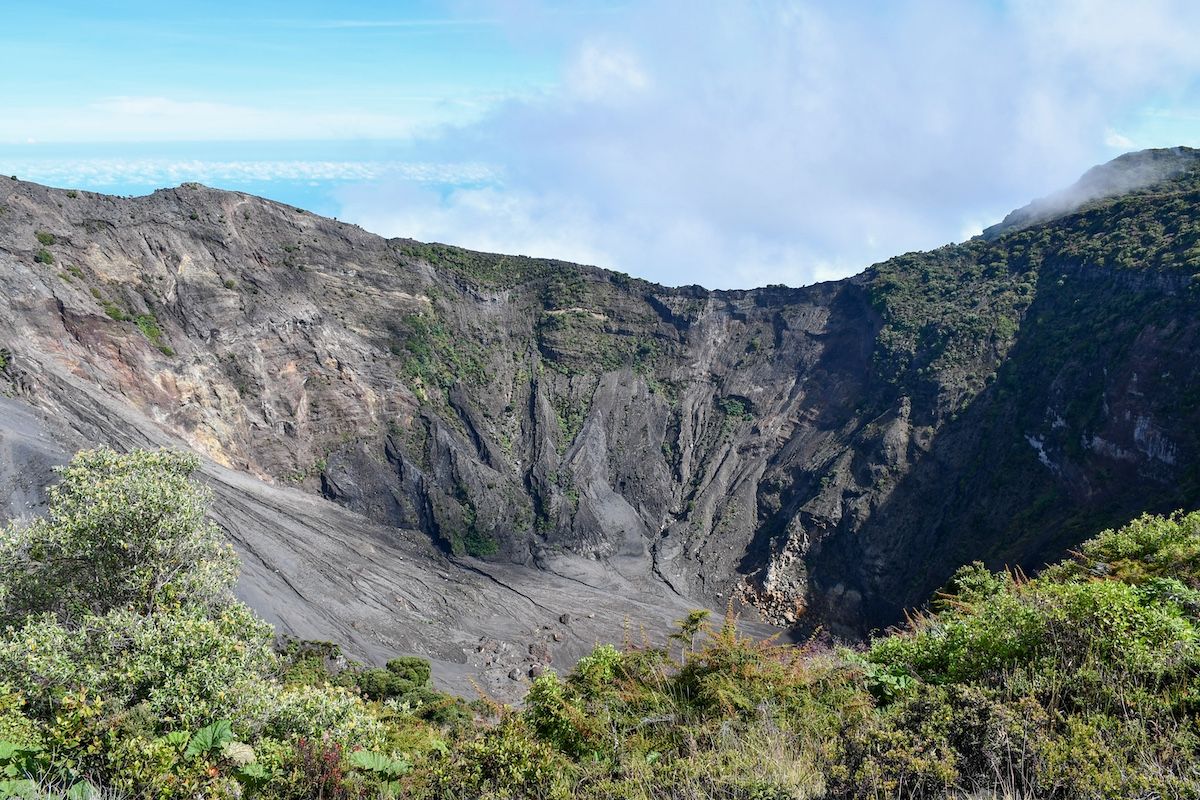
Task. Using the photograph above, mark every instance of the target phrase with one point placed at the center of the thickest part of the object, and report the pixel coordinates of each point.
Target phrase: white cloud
(734, 144)
(1117, 140)
(970, 229)
(170, 172)
(724, 144)
(484, 218)
(604, 73)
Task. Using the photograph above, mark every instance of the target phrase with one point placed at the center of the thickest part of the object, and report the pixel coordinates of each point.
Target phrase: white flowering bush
(315, 712)
(184, 668)
(123, 531)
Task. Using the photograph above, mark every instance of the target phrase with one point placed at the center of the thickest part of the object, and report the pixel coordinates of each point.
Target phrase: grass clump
(114, 311)
(148, 325)
(45, 238)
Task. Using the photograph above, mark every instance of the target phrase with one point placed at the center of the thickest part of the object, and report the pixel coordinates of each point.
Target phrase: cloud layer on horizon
(156, 172)
(740, 144)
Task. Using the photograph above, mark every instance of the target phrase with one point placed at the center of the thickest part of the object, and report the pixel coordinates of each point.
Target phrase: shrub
(318, 711)
(182, 666)
(405, 684)
(558, 717)
(504, 761)
(123, 531)
(15, 725)
(148, 325)
(479, 545)
(1078, 683)
(112, 309)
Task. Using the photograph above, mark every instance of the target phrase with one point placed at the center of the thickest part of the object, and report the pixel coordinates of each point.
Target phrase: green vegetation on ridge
(487, 269)
(951, 314)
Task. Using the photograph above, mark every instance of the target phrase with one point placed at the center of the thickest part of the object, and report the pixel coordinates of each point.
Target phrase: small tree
(123, 531)
(691, 625)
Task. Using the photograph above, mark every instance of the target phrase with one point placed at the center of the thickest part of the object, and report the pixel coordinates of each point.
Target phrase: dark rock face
(830, 453)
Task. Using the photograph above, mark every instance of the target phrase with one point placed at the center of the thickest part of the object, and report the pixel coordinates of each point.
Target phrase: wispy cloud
(342, 24)
(605, 73)
(1118, 141)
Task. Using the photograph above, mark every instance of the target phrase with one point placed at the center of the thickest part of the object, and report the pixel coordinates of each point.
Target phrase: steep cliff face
(828, 453)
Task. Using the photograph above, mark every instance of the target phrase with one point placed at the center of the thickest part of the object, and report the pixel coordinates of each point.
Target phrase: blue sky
(726, 144)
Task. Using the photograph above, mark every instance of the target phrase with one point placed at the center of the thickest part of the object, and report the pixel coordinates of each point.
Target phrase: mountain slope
(827, 453)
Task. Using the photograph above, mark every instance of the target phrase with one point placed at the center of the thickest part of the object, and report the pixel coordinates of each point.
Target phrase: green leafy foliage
(1081, 683)
(386, 769)
(1082, 679)
(379, 763)
(20, 761)
(148, 325)
(479, 544)
(209, 739)
(406, 683)
(434, 359)
(734, 407)
(950, 315)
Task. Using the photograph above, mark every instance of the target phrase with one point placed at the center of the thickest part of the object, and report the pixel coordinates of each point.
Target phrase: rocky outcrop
(829, 453)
